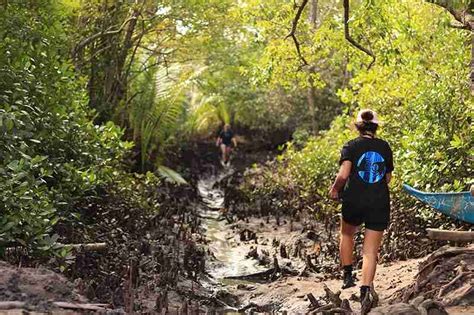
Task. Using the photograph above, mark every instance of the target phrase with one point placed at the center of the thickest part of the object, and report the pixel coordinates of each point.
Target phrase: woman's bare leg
(223, 150)
(228, 150)
(346, 244)
(372, 241)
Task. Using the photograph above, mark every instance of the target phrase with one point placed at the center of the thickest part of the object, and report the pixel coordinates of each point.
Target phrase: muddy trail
(210, 252)
(281, 264)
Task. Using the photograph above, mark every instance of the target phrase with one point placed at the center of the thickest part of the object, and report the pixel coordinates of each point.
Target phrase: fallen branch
(8, 305)
(457, 236)
(444, 276)
(267, 275)
(448, 251)
(88, 247)
(81, 306)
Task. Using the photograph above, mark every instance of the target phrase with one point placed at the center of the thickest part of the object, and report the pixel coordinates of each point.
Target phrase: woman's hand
(341, 179)
(333, 193)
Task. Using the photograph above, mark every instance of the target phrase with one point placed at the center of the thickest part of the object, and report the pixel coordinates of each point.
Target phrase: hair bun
(367, 116)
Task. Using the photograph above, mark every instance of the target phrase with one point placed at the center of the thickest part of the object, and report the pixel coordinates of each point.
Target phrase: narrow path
(230, 260)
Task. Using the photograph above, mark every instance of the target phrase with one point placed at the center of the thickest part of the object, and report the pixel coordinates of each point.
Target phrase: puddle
(230, 259)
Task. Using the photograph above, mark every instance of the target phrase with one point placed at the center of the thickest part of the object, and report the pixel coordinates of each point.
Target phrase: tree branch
(462, 16)
(137, 45)
(109, 32)
(294, 27)
(350, 39)
(466, 18)
(460, 27)
(98, 52)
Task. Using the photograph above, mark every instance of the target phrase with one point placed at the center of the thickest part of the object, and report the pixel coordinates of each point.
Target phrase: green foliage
(157, 111)
(51, 152)
(418, 87)
(170, 70)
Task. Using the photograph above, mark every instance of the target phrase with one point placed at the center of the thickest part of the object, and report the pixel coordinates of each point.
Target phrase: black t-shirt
(371, 160)
(226, 136)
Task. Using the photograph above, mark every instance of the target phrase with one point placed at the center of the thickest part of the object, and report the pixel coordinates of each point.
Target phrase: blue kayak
(457, 205)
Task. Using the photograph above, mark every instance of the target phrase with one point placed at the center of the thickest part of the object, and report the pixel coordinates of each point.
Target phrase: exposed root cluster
(447, 276)
(336, 305)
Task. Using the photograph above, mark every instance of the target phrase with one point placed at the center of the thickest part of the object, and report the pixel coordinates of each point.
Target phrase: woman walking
(225, 140)
(366, 166)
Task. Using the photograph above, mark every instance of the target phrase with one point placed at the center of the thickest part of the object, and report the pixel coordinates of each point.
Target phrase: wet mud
(243, 253)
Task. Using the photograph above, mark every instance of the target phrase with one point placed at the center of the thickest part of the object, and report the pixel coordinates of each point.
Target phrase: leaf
(171, 175)
(456, 142)
(9, 124)
(7, 226)
(13, 165)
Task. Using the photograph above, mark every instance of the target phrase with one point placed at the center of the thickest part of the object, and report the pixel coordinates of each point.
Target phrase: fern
(155, 113)
(207, 113)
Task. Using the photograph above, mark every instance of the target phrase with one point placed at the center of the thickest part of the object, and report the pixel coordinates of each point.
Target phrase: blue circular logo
(371, 167)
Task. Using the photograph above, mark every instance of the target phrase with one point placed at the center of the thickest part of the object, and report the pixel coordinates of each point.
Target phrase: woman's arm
(234, 141)
(341, 179)
(388, 177)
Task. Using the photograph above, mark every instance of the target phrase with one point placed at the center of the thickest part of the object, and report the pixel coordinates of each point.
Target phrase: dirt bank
(38, 289)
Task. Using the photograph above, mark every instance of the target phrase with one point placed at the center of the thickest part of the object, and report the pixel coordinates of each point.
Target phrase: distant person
(366, 166)
(224, 141)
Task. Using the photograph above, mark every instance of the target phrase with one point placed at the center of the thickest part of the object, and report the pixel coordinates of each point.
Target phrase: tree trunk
(119, 88)
(472, 59)
(313, 14)
(311, 92)
(311, 95)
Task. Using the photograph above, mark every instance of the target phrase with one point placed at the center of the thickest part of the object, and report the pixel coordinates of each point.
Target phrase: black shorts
(373, 219)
